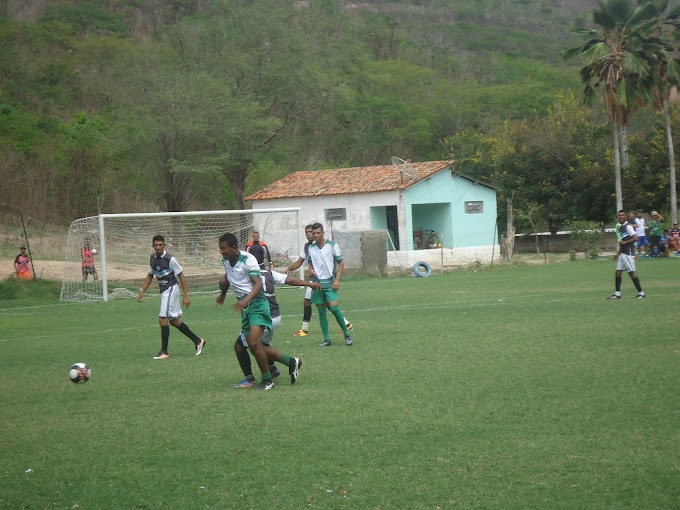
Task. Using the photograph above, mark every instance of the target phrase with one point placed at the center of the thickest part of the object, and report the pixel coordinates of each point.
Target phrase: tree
(618, 59)
(665, 76)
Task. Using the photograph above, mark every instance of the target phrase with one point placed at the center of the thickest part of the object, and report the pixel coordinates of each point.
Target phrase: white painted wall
(358, 218)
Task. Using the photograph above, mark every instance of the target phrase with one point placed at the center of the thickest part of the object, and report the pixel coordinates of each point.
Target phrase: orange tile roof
(363, 179)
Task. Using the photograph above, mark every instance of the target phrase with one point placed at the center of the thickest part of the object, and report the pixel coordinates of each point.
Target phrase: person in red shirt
(87, 256)
(21, 265)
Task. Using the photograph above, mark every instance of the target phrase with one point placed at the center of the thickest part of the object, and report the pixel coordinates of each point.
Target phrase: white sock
(305, 326)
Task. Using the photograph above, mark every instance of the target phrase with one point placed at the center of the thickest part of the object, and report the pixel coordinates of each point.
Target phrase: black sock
(636, 282)
(307, 315)
(165, 337)
(618, 283)
(185, 329)
(244, 361)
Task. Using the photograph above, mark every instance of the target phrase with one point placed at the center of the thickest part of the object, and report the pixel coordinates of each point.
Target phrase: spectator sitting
(674, 239)
(664, 243)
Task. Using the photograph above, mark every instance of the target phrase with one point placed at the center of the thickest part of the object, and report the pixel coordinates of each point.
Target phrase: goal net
(121, 247)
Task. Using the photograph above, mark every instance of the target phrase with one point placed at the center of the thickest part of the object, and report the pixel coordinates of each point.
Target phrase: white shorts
(308, 293)
(625, 263)
(170, 307)
(268, 334)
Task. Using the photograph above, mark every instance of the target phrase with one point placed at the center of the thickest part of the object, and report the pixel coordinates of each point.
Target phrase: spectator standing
(655, 231)
(640, 232)
(87, 263)
(21, 262)
(259, 250)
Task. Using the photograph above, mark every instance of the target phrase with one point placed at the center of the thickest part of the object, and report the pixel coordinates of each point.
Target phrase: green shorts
(319, 297)
(256, 314)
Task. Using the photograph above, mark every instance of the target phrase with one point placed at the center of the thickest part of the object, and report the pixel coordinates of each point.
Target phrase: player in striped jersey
(625, 257)
(244, 277)
(325, 260)
(167, 270)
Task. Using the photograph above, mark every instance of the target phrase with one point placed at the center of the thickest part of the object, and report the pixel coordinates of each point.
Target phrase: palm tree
(617, 58)
(665, 77)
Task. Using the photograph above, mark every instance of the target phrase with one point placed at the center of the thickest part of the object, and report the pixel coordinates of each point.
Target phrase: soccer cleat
(348, 340)
(274, 371)
(293, 370)
(641, 296)
(325, 343)
(614, 296)
(199, 347)
(265, 385)
(301, 332)
(245, 383)
(162, 355)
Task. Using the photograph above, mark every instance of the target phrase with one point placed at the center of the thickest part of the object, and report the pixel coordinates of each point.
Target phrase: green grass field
(504, 388)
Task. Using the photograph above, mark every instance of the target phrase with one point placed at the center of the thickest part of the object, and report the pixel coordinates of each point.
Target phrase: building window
(474, 207)
(336, 214)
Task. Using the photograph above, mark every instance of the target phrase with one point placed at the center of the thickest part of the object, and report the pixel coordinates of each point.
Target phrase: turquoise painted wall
(438, 203)
(378, 217)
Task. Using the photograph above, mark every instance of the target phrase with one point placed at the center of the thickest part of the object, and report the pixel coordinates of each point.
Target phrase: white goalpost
(122, 243)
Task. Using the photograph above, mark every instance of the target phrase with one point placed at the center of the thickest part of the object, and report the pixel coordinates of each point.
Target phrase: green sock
(286, 360)
(339, 317)
(267, 377)
(323, 320)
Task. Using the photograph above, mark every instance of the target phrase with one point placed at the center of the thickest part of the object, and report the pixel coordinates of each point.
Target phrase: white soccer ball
(94, 251)
(79, 373)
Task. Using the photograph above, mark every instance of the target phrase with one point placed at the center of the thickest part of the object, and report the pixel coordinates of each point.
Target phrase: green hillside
(139, 105)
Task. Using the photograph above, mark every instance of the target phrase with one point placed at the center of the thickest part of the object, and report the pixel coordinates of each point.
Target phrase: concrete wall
(364, 250)
(562, 242)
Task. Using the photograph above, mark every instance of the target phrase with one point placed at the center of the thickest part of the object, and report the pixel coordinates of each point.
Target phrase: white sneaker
(199, 347)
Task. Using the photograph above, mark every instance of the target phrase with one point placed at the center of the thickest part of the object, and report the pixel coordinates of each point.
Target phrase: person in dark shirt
(168, 271)
(259, 250)
(625, 257)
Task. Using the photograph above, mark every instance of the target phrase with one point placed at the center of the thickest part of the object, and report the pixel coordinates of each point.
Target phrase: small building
(422, 207)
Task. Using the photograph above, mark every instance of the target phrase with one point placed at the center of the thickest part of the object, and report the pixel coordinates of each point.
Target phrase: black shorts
(89, 270)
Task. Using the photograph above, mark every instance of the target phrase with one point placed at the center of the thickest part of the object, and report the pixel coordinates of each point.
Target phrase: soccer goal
(120, 246)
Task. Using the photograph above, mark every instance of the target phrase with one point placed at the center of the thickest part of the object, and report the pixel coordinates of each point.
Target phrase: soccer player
(625, 257)
(168, 271)
(243, 274)
(269, 279)
(325, 260)
(307, 303)
(87, 263)
(259, 250)
(21, 262)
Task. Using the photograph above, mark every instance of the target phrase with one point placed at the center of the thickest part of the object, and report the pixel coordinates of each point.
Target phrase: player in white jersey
(325, 261)
(307, 303)
(244, 277)
(269, 279)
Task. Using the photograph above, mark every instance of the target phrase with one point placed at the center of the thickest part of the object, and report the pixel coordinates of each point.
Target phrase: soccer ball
(94, 251)
(79, 373)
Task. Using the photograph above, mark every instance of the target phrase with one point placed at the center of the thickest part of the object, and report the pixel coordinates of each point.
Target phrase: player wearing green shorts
(325, 262)
(243, 276)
